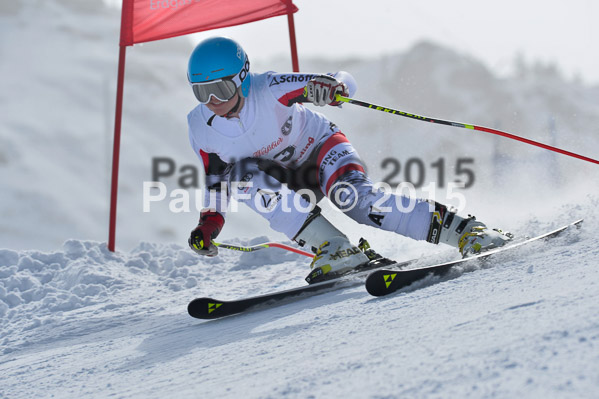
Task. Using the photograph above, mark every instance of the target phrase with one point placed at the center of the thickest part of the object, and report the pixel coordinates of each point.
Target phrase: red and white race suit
(274, 127)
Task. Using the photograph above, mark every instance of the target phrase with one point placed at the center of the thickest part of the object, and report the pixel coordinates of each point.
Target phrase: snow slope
(83, 322)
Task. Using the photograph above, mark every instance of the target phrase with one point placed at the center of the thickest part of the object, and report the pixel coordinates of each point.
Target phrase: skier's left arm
(319, 89)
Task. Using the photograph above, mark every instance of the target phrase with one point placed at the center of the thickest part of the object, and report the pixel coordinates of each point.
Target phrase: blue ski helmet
(218, 58)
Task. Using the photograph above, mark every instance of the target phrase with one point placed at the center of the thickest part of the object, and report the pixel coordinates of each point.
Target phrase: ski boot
(469, 235)
(335, 254)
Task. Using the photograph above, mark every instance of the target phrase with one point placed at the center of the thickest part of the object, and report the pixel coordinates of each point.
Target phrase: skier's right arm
(215, 199)
(200, 239)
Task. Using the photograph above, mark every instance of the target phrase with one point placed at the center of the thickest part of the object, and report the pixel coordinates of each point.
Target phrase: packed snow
(80, 321)
(84, 322)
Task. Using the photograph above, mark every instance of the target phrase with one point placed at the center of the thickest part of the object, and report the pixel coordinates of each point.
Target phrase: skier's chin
(219, 109)
(222, 108)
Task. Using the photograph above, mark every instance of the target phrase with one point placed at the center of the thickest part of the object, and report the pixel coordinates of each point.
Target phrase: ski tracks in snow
(85, 322)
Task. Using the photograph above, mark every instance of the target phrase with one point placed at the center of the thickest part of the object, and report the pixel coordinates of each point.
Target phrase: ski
(210, 308)
(385, 281)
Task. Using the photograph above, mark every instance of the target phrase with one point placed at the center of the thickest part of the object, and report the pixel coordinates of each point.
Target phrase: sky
(551, 31)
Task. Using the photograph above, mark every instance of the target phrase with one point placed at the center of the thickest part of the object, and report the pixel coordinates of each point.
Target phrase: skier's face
(222, 108)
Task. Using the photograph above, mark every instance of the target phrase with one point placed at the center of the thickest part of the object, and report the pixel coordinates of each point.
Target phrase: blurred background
(531, 69)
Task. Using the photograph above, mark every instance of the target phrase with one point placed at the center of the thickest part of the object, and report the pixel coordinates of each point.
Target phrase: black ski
(210, 308)
(385, 281)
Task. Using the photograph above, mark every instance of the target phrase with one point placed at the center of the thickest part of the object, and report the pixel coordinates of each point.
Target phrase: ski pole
(462, 125)
(262, 246)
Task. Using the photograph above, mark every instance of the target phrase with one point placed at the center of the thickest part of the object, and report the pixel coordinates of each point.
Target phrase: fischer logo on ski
(213, 306)
(205, 308)
(384, 281)
(389, 279)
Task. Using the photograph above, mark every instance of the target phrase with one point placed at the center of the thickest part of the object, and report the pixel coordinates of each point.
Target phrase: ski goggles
(221, 89)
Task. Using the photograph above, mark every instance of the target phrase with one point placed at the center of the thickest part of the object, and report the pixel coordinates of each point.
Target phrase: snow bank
(40, 289)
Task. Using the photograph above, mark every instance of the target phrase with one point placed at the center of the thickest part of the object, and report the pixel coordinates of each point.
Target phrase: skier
(253, 134)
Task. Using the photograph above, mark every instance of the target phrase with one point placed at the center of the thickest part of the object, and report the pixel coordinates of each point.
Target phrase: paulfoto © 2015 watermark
(413, 170)
(190, 197)
(185, 201)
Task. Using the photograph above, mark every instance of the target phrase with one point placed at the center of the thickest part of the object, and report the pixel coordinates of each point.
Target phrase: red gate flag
(148, 20)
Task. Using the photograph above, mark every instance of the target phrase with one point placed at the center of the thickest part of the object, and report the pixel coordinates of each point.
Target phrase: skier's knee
(354, 194)
(346, 190)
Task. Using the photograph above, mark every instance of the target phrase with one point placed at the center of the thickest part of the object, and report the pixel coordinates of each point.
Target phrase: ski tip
(204, 308)
(378, 282)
